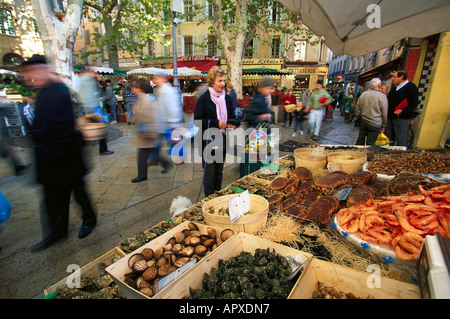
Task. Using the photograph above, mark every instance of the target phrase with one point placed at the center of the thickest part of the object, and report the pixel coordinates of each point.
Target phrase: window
(168, 49)
(188, 10)
(248, 54)
(36, 30)
(212, 45)
(276, 43)
(188, 46)
(300, 51)
(6, 22)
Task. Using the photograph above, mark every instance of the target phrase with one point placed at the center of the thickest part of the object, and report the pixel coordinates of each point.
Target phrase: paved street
(123, 208)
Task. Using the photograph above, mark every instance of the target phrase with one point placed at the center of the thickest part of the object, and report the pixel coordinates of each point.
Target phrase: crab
(309, 198)
(276, 199)
(361, 178)
(305, 187)
(291, 186)
(321, 210)
(359, 195)
(301, 173)
(298, 212)
(328, 183)
(291, 200)
(278, 183)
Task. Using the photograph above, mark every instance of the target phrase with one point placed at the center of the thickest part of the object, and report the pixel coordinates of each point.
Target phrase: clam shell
(209, 242)
(192, 226)
(226, 233)
(195, 241)
(212, 232)
(147, 253)
(150, 273)
(179, 237)
(148, 291)
(200, 250)
(140, 266)
(196, 233)
(164, 270)
(161, 261)
(134, 258)
(158, 253)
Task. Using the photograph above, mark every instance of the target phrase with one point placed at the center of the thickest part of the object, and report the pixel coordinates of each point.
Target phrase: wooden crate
(89, 269)
(350, 280)
(232, 247)
(120, 268)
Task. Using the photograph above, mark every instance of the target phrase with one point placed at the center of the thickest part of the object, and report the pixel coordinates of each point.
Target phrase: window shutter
(204, 43)
(195, 49)
(180, 46)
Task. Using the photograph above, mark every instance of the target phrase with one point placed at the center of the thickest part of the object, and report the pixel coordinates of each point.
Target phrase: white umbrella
(358, 27)
(185, 71)
(3, 71)
(147, 71)
(100, 69)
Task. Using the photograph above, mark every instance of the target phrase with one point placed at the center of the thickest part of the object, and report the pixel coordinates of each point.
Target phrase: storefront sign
(262, 61)
(308, 70)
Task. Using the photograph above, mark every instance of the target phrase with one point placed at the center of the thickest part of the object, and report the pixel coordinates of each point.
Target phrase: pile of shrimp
(401, 222)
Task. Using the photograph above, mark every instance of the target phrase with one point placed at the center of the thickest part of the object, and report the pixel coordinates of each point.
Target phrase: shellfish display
(262, 275)
(149, 266)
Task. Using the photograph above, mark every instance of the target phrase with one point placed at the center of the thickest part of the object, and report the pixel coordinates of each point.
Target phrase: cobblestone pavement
(123, 208)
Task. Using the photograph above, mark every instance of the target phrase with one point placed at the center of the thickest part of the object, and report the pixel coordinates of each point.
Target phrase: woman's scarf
(221, 106)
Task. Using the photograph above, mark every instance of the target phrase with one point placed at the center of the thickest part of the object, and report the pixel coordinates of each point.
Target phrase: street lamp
(176, 6)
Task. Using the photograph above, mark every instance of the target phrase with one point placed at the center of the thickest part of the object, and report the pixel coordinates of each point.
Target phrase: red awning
(203, 66)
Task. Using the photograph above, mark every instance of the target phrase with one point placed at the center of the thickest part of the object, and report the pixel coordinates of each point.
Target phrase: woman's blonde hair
(213, 73)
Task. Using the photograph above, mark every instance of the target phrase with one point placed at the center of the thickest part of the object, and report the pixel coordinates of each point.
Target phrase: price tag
(332, 167)
(343, 193)
(239, 206)
(175, 274)
(317, 151)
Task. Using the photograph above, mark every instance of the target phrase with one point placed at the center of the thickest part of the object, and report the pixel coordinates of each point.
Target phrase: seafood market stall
(315, 233)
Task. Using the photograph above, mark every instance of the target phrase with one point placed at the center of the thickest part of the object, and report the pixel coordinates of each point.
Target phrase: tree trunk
(113, 52)
(58, 33)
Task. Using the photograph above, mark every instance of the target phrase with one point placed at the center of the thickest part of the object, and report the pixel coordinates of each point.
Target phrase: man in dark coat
(59, 162)
(403, 101)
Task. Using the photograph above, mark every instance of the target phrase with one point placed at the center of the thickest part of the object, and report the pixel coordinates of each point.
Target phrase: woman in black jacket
(214, 108)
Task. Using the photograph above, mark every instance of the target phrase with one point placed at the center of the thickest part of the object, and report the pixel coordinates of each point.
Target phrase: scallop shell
(140, 266)
(147, 253)
(226, 233)
(150, 273)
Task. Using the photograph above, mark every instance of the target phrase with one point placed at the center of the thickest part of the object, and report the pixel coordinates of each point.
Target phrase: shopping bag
(382, 139)
(5, 208)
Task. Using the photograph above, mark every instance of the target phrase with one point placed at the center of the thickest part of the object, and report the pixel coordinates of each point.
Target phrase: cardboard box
(361, 284)
(120, 268)
(89, 269)
(232, 247)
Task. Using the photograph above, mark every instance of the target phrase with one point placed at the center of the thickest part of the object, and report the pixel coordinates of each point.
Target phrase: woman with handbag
(148, 136)
(215, 109)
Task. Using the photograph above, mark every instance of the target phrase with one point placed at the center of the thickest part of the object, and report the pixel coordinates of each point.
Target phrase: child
(299, 116)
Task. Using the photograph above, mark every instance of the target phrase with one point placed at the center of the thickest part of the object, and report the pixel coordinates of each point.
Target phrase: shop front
(304, 76)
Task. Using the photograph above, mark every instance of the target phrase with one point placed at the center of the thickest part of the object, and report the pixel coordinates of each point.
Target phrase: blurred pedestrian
(299, 117)
(317, 101)
(259, 109)
(89, 96)
(305, 97)
(403, 101)
(129, 98)
(372, 108)
(289, 100)
(168, 101)
(214, 108)
(60, 165)
(384, 89)
(148, 127)
(232, 93)
(110, 99)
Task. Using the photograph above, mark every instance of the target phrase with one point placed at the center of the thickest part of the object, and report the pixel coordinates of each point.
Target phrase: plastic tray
(444, 178)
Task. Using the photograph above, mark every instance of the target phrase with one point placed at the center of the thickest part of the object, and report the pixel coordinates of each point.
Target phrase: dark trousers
(103, 146)
(397, 129)
(369, 131)
(286, 116)
(213, 172)
(57, 201)
(142, 157)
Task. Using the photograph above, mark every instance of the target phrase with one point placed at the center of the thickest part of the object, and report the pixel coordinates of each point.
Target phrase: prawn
(404, 223)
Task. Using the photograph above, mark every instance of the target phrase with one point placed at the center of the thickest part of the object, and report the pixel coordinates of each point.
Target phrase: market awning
(265, 71)
(379, 71)
(146, 71)
(101, 70)
(351, 27)
(202, 66)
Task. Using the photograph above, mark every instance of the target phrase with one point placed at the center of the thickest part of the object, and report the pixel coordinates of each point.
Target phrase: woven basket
(303, 159)
(347, 161)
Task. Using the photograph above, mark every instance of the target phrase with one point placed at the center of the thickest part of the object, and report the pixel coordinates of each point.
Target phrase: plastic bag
(381, 139)
(5, 208)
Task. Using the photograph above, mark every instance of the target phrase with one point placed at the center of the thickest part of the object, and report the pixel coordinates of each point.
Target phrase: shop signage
(307, 70)
(262, 61)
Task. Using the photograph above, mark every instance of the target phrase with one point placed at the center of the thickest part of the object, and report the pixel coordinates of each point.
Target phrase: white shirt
(398, 87)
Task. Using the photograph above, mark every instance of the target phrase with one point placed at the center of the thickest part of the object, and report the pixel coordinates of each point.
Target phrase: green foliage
(20, 89)
(129, 24)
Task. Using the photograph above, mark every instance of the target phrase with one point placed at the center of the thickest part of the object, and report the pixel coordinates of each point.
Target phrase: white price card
(317, 151)
(175, 274)
(239, 206)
